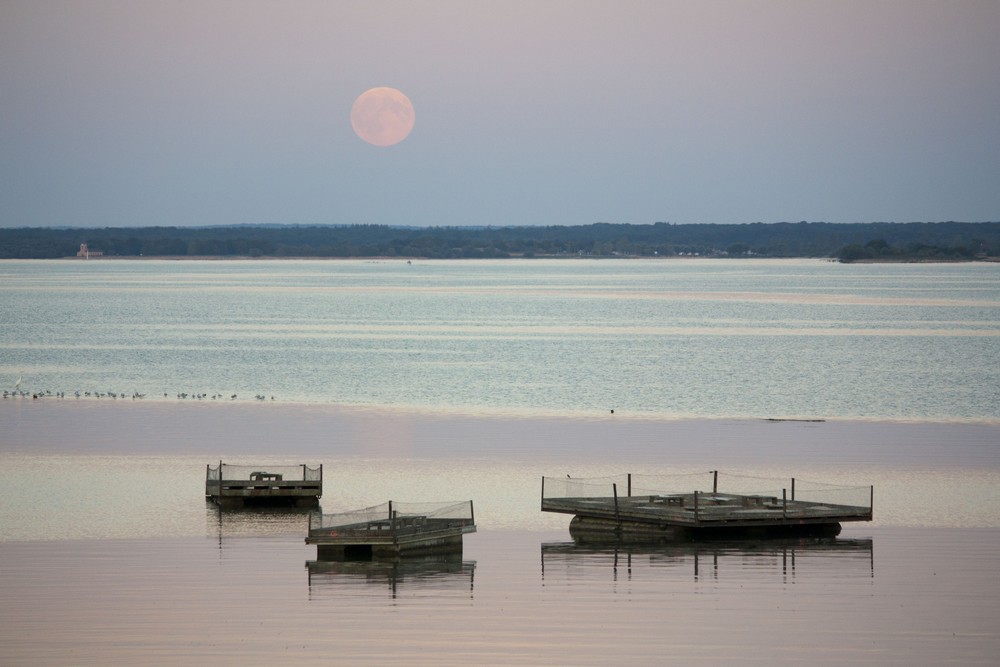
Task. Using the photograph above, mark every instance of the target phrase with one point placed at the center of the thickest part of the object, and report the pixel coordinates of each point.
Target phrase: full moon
(382, 116)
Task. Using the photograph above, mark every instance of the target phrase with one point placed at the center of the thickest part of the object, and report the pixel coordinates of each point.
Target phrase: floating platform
(391, 530)
(238, 486)
(651, 508)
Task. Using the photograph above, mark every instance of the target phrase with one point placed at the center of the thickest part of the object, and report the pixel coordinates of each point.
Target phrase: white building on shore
(87, 253)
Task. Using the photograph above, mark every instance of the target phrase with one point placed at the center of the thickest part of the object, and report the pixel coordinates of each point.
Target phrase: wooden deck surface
(385, 531)
(252, 488)
(388, 539)
(707, 510)
(239, 493)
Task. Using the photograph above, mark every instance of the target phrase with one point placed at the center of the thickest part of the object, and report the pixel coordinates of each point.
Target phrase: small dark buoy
(612, 411)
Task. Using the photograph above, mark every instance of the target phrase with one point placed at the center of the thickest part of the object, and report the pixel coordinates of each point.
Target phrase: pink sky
(123, 112)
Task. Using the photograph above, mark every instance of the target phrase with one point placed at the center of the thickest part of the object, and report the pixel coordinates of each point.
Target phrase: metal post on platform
(715, 481)
(696, 506)
(871, 500)
(392, 519)
(629, 485)
(793, 489)
(472, 513)
(784, 502)
(614, 490)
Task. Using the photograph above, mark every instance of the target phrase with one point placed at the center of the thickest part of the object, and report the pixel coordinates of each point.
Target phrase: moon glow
(382, 116)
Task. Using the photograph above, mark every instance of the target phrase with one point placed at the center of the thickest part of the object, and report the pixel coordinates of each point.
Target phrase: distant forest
(848, 242)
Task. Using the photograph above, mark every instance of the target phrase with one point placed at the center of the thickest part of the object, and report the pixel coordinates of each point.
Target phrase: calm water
(102, 470)
(703, 338)
(454, 380)
(512, 599)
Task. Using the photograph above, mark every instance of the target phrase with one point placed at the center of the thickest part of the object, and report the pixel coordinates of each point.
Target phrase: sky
(538, 112)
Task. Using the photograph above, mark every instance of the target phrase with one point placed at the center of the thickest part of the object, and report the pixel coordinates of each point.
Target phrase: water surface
(512, 599)
(707, 338)
(437, 381)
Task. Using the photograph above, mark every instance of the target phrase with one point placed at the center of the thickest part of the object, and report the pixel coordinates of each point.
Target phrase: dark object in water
(596, 531)
(391, 530)
(619, 511)
(237, 486)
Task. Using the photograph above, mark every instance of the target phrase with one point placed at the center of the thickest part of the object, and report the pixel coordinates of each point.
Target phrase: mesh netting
(643, 485)
(828, 494)
(591, 487)
(461, 511)
(796, 489)
(705, 482)
(246, 473)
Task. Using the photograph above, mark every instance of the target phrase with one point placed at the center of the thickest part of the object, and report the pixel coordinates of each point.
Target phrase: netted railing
(395, 516)
(830, 494)
(711, 482)
(295, 473)
(622, 485)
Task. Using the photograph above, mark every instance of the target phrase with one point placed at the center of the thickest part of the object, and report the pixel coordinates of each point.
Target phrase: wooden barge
(612, 508)
(237, 486)
(391, 530)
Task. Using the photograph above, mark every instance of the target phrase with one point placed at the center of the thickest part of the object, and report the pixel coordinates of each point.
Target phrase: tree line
(844, 241)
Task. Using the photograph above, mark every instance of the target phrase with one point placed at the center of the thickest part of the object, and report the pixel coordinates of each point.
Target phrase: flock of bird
(17, 392)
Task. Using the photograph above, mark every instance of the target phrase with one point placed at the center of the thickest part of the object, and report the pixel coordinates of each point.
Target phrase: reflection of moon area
(382, 116)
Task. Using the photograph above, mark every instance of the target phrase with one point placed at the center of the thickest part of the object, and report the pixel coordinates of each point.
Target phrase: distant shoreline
(390, 258)
(921, 260)
(845, 241)
(379, 258)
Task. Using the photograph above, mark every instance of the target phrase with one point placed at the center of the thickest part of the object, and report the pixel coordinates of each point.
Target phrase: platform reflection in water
(255, 522)
(444, 574)
(787, 559)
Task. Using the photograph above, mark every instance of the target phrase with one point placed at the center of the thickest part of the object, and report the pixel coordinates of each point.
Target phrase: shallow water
(873, 596)
(472, 380)
(96, 471)
(110, 553)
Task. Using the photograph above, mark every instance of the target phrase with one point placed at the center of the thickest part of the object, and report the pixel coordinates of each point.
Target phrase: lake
(652, 338)
(438, 381)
